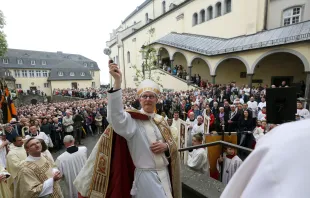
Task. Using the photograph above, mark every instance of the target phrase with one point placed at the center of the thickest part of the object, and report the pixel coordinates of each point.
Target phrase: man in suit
(244, 97)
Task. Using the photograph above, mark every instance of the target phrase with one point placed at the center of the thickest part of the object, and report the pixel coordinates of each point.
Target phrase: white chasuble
(70, 164)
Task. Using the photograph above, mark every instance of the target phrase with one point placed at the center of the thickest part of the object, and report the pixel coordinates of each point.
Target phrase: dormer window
(5, 61)
(82, 74)
(292, 16)
(85, 64)
(72, 74)
(43, 62)
(60, 73)
(92, 65)
(33, 62)
(19, 61)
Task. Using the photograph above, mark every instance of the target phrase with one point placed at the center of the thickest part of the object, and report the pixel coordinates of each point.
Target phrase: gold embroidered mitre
(148, 85)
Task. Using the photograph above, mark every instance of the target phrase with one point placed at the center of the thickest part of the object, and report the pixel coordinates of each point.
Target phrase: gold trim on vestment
(174, 157)
(152, 89)
(101, 174)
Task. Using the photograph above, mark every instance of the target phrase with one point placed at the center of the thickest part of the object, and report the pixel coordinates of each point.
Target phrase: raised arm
(120, 120)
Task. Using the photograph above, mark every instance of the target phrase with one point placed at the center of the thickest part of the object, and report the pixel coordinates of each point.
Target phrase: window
(202, 16)
(18, 86)
(85, 64)
(292, 16)
(33, 62)
(92, 65)
(31, 73)
(60, 73)
(227, 6)
(210, 13)
(38, 73)
(218, 8)
(5, 61)
(43, 62)
(82, 74)
(24, 73)
(46, 85)
(44, 73)
(72, 74)
(92, 73)
(164, 7)
(146, 18)
(195, 19)
(19, 61)
(128, 57)
(93, 84)
(16, 73)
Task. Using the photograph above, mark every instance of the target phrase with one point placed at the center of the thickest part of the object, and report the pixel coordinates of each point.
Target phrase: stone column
(158, 59)
(190, 74)
(307, 91)
(250, 78)
(171, 62)
(213, 79)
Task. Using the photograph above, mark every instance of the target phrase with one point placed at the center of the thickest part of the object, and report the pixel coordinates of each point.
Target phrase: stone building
(45, 71)
(246, 41)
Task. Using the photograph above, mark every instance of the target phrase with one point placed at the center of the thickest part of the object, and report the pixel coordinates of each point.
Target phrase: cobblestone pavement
(90, 143)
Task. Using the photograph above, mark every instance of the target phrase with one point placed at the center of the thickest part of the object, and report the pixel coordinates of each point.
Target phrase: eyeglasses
(151, 97)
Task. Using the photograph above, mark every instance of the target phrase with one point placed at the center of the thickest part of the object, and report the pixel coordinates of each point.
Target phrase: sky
(71, 26)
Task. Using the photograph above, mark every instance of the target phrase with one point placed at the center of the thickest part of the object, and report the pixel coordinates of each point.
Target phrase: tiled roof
(214, 46)
(52, 59)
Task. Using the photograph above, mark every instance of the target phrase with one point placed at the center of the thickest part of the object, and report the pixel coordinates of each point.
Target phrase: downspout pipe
(124, 65)
(266, 14)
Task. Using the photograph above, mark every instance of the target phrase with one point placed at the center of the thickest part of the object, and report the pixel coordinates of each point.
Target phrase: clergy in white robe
(4, 187)
(176, 121)
(199, 127)
(35, 133)
(147, 139)
(230, 162)
(302, 112)
(191, 122)
(278, 167)
(70, 164)
(198, 158)
(14, 159)
(37, 177)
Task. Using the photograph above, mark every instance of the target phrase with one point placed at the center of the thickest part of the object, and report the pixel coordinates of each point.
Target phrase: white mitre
(148, 85)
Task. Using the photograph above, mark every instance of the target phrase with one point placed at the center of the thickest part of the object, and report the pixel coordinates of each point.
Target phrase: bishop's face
(148, 101)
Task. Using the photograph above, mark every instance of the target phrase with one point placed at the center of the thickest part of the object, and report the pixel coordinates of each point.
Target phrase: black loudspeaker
(281, 105)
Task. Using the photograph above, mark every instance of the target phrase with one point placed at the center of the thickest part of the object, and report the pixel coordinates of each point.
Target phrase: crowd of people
(229, 107)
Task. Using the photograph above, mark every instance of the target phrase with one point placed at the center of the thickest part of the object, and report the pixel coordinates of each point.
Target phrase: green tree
(3, 43)
(149, 67)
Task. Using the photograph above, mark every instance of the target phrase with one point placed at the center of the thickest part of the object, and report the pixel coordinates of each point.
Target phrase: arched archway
(201, 67)
(231, 69)
(164, 57)
(274, 67)
(179, 59)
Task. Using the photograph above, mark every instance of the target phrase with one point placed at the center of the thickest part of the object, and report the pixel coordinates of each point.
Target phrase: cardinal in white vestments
(198, 158)
(230, 162)
(70, 164)
(150, 144)
(278, 167)
(14, 159)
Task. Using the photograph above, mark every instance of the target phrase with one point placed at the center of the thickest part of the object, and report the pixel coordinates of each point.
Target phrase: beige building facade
(46, 71)
(248, 42)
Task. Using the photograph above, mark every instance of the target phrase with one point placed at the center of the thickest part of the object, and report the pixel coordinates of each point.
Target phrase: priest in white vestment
(302, 112)
(4, 187)
(35, 133)
(230, 162)
(278, 167)
(37, 176)
(14, 159)
(198, 158)
(146, 141)
(176, 121)
(199, 127)
(191, 122)
(70, 164)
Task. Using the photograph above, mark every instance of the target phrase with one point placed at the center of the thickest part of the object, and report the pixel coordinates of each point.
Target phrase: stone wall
(64, 99)
(23, 100)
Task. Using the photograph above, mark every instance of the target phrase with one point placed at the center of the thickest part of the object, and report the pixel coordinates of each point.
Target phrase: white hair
(68, 138)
